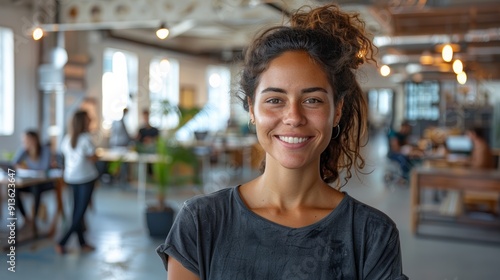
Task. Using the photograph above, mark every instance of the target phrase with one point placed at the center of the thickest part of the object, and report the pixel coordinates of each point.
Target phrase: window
(380, 101)
(163, 85)
(119, 86)
(6, 81)
(422, 101)
(215, 114)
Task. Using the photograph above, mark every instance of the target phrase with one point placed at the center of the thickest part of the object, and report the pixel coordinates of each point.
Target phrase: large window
(215, 114)
(119, 87)
(6, 81)
(422, 101)
(163, 85)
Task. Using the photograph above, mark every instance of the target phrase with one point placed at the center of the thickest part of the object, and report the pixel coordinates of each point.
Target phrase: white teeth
(293, 140)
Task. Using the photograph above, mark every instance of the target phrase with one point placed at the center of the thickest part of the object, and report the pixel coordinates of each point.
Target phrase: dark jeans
(81, 198)
(405, 163)
(37, 191)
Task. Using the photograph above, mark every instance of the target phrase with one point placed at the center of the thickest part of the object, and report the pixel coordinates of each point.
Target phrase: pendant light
(447, 53)
(162, 32)
(458, 66)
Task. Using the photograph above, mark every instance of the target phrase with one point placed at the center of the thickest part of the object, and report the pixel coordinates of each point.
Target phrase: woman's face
(294, 110)
(28, 141)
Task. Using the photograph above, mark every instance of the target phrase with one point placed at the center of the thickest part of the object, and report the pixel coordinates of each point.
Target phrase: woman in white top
(80, 173)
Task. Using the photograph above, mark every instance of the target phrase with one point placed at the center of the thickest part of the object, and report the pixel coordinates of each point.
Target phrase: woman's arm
(176, 271)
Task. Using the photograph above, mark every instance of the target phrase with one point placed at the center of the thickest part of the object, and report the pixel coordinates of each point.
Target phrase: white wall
(27, 98)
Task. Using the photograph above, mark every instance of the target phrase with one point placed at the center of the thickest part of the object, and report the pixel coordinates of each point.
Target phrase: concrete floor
(125, 251)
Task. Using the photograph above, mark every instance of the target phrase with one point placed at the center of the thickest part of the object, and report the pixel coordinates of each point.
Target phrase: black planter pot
(159, 222)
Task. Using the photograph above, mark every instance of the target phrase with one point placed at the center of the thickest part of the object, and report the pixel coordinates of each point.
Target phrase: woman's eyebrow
(306, 90)
(273, 89)
(314, 89)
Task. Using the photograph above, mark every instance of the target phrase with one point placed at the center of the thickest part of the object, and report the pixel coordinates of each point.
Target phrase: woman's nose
(294, 115)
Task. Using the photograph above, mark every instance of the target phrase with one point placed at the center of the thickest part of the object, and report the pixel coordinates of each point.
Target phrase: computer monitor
(458, 144)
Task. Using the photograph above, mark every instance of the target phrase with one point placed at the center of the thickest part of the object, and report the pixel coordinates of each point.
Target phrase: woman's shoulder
(219, 199)
(369, 215)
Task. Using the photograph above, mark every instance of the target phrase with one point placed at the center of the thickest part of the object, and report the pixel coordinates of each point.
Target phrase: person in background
(120, 138)
(481, 155)
(80, 174)
(119, 135)
(147, 134)
(293, 221)
(33, 156)
(401, 150)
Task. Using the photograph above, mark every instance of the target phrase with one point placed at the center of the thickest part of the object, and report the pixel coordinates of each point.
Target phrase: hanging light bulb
(385, 70)
(162, 32)
(462, 78)
(458, 66)
(426, 58)
(447, 53)
(37, 33)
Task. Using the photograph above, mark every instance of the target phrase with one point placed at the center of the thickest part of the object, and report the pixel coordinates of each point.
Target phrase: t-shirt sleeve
(182, 241)
(383, 259)
(88, 147)
(19, 156)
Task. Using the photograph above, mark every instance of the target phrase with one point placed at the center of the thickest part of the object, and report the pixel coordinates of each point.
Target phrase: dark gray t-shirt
(217, 237)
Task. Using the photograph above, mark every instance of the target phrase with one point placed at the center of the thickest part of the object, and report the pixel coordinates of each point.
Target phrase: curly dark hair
(337, 42)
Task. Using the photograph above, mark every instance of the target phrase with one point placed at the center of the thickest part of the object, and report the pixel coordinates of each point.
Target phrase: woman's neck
(32, 152)
(290, 188)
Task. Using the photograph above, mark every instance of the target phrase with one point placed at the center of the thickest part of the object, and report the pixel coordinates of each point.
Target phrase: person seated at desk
(400, 149)
(481, 156)
(147, 137)
(119, 135)
(147, 134)
(120, 138)
(33, 156)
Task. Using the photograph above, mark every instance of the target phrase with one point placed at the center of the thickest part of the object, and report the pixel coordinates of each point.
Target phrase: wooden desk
(451, 179)
(21, 182)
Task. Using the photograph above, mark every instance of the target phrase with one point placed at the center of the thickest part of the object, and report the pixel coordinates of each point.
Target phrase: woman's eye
(273, 100)
(312, 100)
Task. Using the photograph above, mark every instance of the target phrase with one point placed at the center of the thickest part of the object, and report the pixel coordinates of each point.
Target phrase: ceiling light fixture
(162, 32)
(426, 58)
(458, 66)
(37, 33)
(462, 78)
(385, 70)
(447, 53)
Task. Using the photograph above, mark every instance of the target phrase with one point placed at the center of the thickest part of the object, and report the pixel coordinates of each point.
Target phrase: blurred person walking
(80, 173)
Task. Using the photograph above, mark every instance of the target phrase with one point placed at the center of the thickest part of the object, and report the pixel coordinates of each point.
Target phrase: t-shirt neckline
(325, 220)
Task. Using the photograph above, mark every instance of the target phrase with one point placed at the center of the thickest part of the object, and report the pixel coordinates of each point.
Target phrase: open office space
(437, 80)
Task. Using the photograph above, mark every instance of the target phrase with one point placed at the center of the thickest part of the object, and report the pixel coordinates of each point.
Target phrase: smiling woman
(299, 87)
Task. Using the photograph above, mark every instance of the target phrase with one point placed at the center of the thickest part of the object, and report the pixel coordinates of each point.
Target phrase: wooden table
(451, 179)
(23, 182)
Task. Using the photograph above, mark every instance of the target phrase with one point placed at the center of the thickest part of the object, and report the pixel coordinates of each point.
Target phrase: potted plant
(167, 170)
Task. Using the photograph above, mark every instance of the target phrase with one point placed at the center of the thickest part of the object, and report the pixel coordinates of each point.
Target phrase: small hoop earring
(338, 131)
(250, 124)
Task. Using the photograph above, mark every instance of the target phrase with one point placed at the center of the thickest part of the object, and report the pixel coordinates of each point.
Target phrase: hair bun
(346, 27)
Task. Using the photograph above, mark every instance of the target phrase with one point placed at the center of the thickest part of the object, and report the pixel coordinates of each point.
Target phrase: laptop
(458, 144)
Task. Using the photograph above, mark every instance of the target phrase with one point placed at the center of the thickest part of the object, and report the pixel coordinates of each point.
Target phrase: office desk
(125, 155)
(23, 182)
(200, 148)
(452, 179)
